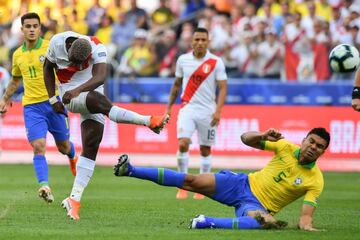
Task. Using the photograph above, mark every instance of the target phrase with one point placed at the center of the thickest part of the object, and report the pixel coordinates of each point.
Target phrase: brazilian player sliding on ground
(292, 173)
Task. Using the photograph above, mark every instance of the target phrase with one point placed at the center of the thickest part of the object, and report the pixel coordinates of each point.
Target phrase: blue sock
(71, 154)
(41, 169)
(161, 176)
(234, 223)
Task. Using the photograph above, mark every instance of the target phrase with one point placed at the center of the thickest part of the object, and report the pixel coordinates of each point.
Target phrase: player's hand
(355, 103)
(216, 119)
(273, 135)
(4, 106)
(59, 108)
(168, 111)
(68, 95)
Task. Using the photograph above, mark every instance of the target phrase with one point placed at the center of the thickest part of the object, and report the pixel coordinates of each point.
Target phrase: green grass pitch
(127, 208)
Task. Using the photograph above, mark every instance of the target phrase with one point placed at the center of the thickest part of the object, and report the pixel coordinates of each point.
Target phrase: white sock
(121, 115)
(183, 161)
(205, 165)
(84, 171)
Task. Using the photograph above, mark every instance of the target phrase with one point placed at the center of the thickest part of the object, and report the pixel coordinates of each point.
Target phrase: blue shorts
(40, 118)
(233, 189)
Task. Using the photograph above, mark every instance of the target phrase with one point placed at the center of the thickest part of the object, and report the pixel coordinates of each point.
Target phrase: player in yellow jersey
(39, 118)
(292, 173)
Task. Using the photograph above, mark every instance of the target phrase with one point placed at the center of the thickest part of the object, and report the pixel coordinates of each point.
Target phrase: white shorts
(78, 104)
(190, 120)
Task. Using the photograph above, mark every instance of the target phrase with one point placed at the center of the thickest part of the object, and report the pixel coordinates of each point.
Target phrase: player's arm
(355, 103)
(220, 102)
(255, 139)
(49, 77)
(99, 71)
(9, 92)
(306, 218)
(174, 92)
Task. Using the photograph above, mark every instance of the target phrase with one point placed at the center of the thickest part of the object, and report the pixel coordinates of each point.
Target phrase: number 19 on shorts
(211, 134)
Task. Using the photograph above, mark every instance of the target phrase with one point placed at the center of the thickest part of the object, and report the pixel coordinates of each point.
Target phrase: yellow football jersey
(28, 65)
(284, 180)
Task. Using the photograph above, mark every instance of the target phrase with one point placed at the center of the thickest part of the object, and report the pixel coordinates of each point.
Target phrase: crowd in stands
(278, 40)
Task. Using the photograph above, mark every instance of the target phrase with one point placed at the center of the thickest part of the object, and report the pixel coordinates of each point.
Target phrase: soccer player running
(80, 65)
(355, 103)
(39, 117)
(292, 173)
(197, 73)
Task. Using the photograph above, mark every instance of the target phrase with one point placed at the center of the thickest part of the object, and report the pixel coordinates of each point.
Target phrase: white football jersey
(74, 75)
(200, 78)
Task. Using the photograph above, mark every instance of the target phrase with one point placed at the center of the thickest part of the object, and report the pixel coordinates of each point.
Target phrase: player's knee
(189, 181)
(183, 146)
(205, 151)
(98, 103)
(38, 147)
(63, 147)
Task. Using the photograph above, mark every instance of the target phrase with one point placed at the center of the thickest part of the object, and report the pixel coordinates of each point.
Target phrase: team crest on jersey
(42, 58)
(298, 181)
(206, 68)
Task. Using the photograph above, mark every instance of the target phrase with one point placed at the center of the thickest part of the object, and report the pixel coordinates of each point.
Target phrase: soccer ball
(344, 58)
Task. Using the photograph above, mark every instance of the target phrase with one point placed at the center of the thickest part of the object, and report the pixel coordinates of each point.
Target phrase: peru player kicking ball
(80, 65)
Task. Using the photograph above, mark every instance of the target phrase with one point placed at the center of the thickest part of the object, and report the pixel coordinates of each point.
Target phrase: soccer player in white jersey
(80, 65)
(198, 73)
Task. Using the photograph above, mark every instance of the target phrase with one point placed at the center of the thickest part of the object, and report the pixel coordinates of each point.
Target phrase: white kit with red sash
(199, 79)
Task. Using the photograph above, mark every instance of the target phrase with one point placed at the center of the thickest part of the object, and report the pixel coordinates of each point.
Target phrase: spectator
(162, 15)
(245, 56)
(137, 16)
(281, 20)
(192, 6)
(114, 8)
(93, 16)
(270, 55)
(104, 31)
(139, 60)
(274, 9)
(122, 34)
(77, 24)
(320, 45)
(298, 52)
(167, 52)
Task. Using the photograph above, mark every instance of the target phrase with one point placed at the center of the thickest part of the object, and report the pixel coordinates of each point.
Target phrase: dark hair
(203, 30)
(321, 132)
(30, 15)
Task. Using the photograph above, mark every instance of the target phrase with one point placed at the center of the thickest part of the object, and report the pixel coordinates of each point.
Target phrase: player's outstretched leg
(121, 115)
(161, 176)
(246, 222)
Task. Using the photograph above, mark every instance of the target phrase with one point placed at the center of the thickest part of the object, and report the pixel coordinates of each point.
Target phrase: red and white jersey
(200, 78)
(270, 58)
(74, 75)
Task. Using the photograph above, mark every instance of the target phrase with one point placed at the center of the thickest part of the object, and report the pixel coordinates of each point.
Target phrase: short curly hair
(80, 50)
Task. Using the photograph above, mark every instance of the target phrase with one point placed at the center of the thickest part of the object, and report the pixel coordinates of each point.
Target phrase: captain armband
(356, 93)
(53, 100)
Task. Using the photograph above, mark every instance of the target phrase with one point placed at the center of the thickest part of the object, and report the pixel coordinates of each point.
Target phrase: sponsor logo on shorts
(102, 54)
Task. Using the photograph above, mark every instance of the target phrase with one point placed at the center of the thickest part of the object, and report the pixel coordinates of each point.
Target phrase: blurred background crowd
(257, 39)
